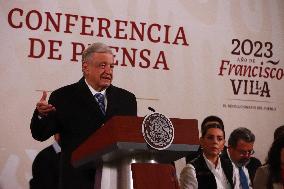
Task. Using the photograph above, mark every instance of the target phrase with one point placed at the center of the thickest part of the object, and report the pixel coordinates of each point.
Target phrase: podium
(120, 143)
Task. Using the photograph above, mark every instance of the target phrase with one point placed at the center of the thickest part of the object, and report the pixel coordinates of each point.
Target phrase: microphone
(151, 109)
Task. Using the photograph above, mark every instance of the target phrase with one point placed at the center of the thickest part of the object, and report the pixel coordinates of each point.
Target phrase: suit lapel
(111, 98)
(228, 169)
(227, 166)
(87, 98)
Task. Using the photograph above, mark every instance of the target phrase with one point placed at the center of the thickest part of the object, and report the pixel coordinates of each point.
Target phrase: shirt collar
(56, 147)
(234, 164)
(211, 165)
(93, 91)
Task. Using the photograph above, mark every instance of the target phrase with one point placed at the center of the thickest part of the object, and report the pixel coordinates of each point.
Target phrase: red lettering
(167, 34)
(120, 29)
(102, 27)
(40, 48)
(10, 20)
(222, 67)
(280, 74)
(139, 33)
(150, 33)
(271, 73)
(146, 59)
(52, 49)
(28, 19)
(162, 61)
(77, 50)
(253, 74)
(114, 54)
(69, 23)
(182, 37)
(55, 24)
(85, 25)
(126, 54)
(266, 71)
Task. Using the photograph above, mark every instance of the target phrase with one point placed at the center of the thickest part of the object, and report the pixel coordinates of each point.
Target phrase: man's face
(99, 70)
(241, 154)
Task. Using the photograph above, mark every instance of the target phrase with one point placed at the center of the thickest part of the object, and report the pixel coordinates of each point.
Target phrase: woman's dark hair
(212, 122)
(274, 161)
(279, 131)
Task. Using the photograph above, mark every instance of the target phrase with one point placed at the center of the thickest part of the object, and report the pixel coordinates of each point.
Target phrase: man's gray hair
(95, 48)
(240, 133)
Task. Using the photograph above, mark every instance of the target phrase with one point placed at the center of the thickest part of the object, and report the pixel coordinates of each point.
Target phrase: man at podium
(77, 110)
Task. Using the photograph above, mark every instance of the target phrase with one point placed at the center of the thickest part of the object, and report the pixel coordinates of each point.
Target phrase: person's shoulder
(186, 175)
(198, 161)
(47, 149)
(254, 160)
(224, 158)
(262, 172)
(67, 89)
(263, 168)
(44, 154)
(192, 156)
(188, 168)
(261, 176)
(115, 89)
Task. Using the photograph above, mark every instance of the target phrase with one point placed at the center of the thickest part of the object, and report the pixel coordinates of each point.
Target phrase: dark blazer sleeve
(120, 102)
(252, 166)
(131, 108)
(43, 128)
(45, 169)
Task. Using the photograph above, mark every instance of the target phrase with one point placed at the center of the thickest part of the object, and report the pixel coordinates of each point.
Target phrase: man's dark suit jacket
(252, 165)
(45, 169)
(77, 116)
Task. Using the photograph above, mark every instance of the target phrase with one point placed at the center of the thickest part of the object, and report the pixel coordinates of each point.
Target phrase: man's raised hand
(43, 107)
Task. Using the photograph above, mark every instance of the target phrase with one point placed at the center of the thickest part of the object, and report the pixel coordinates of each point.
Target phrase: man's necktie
(243, 179)
(101, 101)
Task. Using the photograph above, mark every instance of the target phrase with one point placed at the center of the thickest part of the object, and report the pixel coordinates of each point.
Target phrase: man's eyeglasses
(244, 153)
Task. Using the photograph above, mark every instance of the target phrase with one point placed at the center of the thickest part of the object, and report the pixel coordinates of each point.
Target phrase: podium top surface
(122, 136)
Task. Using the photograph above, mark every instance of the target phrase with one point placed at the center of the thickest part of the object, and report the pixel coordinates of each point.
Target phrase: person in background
(240, 149)
(251, 165)
(208, 119)
(271, 174)
(45, 167)
(209, 170)
(278, 132)
(254, 163)
(76, 111)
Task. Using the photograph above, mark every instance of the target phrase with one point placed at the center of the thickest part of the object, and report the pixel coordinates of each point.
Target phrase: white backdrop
(188, 62)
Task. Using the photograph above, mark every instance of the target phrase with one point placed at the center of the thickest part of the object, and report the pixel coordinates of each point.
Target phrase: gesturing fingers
(43, 97)
(43, 107)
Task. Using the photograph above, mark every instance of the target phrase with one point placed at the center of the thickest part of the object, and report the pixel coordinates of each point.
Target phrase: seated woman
(209, 170)
(271, 175)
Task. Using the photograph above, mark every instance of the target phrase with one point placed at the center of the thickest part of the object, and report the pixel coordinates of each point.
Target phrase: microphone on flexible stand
(151, 109)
